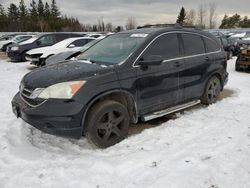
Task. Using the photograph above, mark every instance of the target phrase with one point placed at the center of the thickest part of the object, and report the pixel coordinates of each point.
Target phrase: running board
(169, 110)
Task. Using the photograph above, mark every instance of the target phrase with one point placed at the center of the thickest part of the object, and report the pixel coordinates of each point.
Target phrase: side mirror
(38, 43)
(71, 46)
(152, 60)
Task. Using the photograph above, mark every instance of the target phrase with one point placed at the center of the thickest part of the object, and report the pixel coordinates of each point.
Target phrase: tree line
(38, 16)
(205, 17)
(42, 16)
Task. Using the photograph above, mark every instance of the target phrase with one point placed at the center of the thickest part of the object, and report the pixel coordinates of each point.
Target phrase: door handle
(207, 58)
(177, 64)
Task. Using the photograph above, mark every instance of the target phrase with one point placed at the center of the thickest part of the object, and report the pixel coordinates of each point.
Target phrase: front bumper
(57, 117)
(34, 59)
(14, 55)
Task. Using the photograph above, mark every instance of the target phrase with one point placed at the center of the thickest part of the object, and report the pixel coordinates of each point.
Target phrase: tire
(230, 54)
(23, 58)
(237, 68)
(106, 124)
(212, 91)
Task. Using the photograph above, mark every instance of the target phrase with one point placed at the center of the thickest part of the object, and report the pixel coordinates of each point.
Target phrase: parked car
(233, 41)
(14, 40)
(72, 54)
(39, 55)
(243, 59)
(7, 37)
(95, 35)
(137, 74)
(227, 46)
(17, 52)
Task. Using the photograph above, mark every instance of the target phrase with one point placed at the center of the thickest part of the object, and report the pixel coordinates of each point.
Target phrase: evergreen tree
(47, 10)
(13, 12)
(13, 17)
(3, 18)
(224, 22)
(33, 17)
(23, 11)
(181, 17)
(54, 9)
(40, 8)
(33, 9)
(245, 23)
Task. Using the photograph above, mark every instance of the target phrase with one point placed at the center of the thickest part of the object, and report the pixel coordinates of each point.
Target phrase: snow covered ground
(206, 147)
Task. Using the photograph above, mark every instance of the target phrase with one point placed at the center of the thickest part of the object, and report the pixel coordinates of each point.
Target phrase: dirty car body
(129, 68)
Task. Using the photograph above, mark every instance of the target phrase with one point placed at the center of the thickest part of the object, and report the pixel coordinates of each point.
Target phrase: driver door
(158, 85)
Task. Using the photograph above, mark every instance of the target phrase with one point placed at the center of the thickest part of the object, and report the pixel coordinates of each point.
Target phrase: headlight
(15, 48)
(64, 90)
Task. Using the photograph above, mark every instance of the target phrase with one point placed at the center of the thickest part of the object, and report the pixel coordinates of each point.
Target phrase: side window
(166, 46)
(193, 44)
(46, 40)
(80, 42)
(89, 40)
(60, 37)
(224, 41)
(211, 45)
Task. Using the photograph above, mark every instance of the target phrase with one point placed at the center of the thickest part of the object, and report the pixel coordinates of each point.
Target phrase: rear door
(197, 62)
(158, 86)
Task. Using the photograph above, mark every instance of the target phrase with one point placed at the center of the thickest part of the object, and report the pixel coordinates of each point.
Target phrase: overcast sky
(144, 11)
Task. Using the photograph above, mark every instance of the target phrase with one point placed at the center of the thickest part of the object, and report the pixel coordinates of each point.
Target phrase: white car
(38, 56)
(16, 39)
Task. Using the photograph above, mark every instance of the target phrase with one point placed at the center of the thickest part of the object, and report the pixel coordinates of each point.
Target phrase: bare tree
(212, 15)
(109, 27)
(101, 25)
(190, 17)
(131, 23)
(201, 16)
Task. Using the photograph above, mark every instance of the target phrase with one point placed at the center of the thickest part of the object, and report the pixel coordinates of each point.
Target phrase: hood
(61, 57)
(68, 71)
(39, 50)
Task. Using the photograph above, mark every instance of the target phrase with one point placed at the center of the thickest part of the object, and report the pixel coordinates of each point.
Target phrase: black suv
(134, 75)
(16, 52)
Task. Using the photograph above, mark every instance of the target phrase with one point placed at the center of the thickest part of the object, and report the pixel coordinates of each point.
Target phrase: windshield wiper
(88, 61)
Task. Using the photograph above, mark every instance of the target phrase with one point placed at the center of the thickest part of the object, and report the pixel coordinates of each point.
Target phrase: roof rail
(176, 25)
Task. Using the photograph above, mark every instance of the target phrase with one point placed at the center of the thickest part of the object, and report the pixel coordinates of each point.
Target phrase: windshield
(20, 38)
(31, 40)
(113, 49)
(88, 45)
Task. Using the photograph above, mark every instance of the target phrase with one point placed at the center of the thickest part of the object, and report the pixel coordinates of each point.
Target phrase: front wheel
(212, 91)
(107, 123)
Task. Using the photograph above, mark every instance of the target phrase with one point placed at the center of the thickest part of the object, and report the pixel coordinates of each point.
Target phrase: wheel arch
(122, 96)
(218, 75)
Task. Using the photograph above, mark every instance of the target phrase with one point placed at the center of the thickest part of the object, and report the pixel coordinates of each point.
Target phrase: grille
(25, 95)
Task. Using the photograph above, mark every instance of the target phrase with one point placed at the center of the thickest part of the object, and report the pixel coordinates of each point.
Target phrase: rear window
(193, 44)
(211, 45)
(80, 42)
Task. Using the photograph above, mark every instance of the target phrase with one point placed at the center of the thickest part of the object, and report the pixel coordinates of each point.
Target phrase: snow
(206, 147)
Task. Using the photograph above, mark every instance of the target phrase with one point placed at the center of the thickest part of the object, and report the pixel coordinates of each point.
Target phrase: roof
(159, 30)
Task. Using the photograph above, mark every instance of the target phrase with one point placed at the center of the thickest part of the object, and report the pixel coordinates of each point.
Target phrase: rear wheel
(107, 123)
(237, 64)
(212, 91)
(230, 54)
